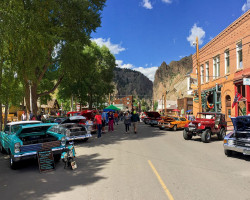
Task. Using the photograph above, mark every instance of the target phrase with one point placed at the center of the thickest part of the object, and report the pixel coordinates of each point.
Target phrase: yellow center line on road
(170, 197)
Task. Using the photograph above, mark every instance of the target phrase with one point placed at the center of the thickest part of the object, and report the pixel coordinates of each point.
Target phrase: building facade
(224, 62)
(126, 101)
(185, 105)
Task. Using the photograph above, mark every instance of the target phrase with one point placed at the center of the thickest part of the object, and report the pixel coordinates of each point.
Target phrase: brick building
(224, 62)
(185, 104)
(126, 101)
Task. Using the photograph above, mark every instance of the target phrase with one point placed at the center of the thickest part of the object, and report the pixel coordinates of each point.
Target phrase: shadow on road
(118, 135)
(27, 183)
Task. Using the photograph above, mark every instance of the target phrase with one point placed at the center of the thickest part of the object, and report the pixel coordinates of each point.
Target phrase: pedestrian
(24, 116)
(31, 115)
(111, 121)
(126, 122)
(98, 120)
(116, 118)
(103, 121)
(134, 119)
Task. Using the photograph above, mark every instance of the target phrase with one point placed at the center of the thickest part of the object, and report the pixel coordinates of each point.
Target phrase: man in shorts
(134, 119)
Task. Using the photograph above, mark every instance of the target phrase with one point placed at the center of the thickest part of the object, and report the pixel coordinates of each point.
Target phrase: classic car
(172, 122)
(23, 142)
(239, 139)
(72, 130)
(153, 118)
(90, 115)
(205, 125)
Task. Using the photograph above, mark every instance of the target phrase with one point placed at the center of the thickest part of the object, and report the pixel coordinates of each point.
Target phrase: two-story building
(224, 62)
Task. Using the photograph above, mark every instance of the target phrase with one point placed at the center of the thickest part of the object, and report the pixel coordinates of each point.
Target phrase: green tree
(96, 83)
(46, 39)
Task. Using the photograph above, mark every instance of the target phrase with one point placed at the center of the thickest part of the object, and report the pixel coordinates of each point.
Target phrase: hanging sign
(246, 81)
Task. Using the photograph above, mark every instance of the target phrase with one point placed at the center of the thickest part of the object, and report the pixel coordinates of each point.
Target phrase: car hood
(34, 128)
(153, 114)
(73, 119)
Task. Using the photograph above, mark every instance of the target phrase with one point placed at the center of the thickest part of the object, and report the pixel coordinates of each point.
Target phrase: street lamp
(166, 101)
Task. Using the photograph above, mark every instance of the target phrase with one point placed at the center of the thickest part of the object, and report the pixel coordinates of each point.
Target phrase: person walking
(116, 118)
(134, 119)
(111, 121)
(24, 116)
(103, 121)
(126, 122)
(98, 120)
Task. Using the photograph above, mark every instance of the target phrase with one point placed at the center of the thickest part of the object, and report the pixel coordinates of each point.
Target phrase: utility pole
(165, 103)
(199, 74)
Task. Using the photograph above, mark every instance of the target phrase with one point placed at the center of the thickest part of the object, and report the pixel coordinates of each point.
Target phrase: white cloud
(196, 31)
(246, 6)
(114, 48)
(167, 1)
(147, 4)
(149, 71)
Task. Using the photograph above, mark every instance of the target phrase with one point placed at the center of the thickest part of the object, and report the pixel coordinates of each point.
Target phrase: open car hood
(73, 119)
(34, 128)
(241, 123)
(153, 114)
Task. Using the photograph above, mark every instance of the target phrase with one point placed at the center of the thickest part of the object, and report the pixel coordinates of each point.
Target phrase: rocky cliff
(131, 82)
(172, 78)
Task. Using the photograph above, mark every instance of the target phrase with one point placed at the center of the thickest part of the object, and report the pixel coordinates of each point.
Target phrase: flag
(236, 98)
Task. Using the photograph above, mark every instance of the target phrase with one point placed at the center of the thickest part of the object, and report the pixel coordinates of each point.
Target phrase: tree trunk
(90, 101)
(34, 99)
(27, 96)
(1, 117)
(6, 111)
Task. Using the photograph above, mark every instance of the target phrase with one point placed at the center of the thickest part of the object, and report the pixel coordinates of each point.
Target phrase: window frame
(227, 61)
(239, 64)
(207, 71)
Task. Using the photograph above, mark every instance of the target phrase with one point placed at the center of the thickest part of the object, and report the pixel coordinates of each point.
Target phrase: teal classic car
(23, 140)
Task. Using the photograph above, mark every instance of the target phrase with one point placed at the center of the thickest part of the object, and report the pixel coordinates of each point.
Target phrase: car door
(5, 137)
(183, 122)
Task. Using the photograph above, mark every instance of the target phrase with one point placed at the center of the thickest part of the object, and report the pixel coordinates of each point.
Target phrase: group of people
(110, 118)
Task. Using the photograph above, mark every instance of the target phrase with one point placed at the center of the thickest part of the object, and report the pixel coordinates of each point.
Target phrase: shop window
(227, 70)
(241, 90)
(239, 55)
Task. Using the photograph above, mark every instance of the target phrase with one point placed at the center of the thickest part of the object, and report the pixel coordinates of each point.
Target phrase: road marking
(170, 197)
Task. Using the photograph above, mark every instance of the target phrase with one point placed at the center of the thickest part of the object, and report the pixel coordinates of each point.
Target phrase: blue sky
(144, 33)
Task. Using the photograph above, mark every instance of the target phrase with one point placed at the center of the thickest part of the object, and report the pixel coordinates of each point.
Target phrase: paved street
(152, 164)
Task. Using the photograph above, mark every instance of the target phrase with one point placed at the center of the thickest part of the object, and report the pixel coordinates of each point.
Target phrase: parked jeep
(239, 139)
(205, 125)
(23, 140)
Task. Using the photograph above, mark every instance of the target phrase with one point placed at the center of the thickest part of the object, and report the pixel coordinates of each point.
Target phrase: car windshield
(205, 116)
(176, 118)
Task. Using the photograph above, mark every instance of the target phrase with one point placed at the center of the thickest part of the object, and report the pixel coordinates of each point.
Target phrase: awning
(188, 110)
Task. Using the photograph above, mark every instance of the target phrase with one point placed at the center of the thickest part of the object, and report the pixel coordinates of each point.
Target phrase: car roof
(24, 122)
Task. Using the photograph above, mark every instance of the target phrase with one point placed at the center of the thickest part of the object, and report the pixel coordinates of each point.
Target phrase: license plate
(246, 152)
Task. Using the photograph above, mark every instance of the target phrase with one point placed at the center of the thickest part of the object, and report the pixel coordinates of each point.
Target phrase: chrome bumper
(80, 137)
(244, 150)
(33, 154)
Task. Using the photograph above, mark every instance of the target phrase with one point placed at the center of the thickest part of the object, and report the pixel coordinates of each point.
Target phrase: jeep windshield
(205, 116)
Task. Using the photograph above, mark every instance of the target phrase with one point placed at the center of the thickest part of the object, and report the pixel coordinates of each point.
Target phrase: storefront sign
(246, 81)
(45, 160)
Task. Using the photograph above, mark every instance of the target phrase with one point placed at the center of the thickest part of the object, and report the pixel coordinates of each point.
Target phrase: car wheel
(174, 128)
(228, 153)
(222, 134)
(13, 164)
(1, 148)
(186, 136)
(85, 139)
(206, 136)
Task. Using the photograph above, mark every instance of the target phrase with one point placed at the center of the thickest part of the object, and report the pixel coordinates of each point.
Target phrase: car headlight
(230, 142)
(63, 141)
(67, 133)
(17, 147)
(199, 124)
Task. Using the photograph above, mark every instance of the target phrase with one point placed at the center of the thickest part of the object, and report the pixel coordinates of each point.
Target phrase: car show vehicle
(172, 122)
(23, 142)
(239, 139)
(206, 125)
(153, 118)
(72, 130)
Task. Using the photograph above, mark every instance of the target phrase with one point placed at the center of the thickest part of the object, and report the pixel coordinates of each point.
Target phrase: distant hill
(172, 78)
(131, 82)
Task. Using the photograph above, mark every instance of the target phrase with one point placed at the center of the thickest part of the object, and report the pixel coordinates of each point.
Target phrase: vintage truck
(239, 139)
(22, 140)
(205, 125)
